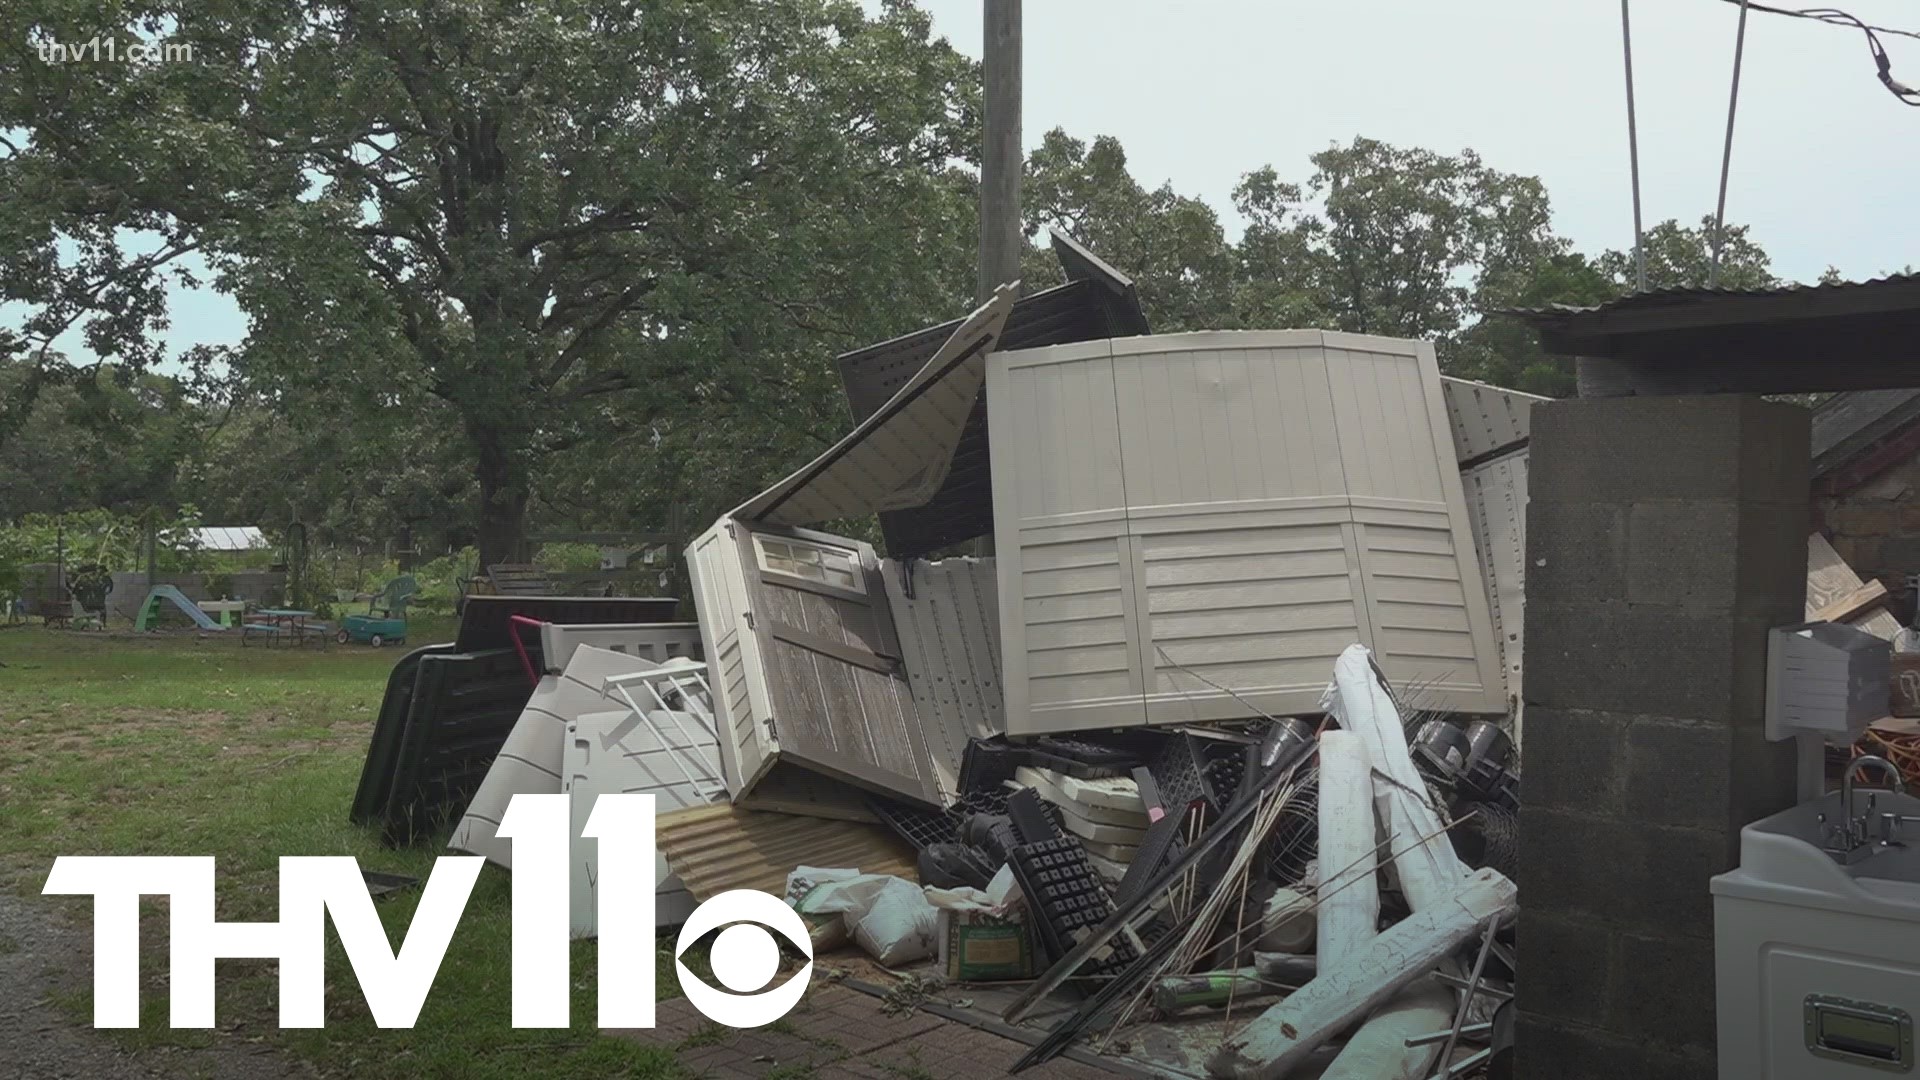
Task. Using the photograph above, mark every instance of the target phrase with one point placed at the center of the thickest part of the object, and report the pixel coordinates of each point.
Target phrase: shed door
(736, 668)
(1070, 643)
(836, 689)
(1242, 540)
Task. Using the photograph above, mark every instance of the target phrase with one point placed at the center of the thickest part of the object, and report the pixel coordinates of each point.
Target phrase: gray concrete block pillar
(1665, 535)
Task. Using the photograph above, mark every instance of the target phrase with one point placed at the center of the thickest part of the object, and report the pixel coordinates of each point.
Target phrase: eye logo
(744, 957)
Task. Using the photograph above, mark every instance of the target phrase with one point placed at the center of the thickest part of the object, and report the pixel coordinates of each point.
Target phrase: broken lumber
(1349, 914)
(1846, 609)
(1379, 1050)
(1430, 871)
(1283, 1036)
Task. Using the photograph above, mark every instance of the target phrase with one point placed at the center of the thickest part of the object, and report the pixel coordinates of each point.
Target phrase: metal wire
(1726, 154)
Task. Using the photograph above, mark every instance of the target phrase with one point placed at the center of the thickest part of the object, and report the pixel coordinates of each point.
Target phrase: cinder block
(1576, 760)
(1624, 873)
(1570, 862)
(1581, 548)
(1663, 988)
(1709, 447)
(1685, 553)
(1626, 658)
(1766, 777)
(1550, 1049)
(1567, 971)
(1677, 772)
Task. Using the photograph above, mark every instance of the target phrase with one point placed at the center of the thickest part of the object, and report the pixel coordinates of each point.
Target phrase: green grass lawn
(177, 744)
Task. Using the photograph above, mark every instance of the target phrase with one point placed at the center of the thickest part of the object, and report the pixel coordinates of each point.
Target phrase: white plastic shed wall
(1180, 516)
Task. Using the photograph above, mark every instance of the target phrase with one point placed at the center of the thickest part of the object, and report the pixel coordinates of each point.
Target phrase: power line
(1835, 17)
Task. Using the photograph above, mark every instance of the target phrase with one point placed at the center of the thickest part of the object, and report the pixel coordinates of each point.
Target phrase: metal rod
(1468, 1032)
(1633, 153)
(1464, 1066)
(1726, 154)
(1483, 989)
(1473, 981)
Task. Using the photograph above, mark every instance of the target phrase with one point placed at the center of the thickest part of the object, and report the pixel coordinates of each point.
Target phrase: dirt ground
(42, 958)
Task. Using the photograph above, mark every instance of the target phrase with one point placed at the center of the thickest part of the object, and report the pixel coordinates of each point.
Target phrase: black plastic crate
(1068, 901)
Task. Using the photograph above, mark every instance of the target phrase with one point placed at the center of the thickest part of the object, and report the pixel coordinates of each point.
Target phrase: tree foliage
(584, 264)
(538, 212)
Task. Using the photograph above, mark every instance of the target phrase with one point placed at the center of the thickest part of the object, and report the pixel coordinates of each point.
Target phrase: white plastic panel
(1496, 494)
(747, 740)
(652, 641)
(1486, 419)
(949, 626)
(529, 763)
(1426, 601)
(1068, 624)
(898, 457)
(1249, 505)
(1238, 519)
(616, 752)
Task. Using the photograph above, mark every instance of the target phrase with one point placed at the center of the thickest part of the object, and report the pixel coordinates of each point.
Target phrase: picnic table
(274, 623)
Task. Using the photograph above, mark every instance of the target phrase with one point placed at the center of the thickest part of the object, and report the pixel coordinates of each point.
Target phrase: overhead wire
(1883, 64)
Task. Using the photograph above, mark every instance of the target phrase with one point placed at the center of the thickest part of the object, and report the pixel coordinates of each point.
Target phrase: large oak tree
(552, 216)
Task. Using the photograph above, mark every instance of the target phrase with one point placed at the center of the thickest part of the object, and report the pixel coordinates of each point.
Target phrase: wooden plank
(1853, 604)
(846, 654)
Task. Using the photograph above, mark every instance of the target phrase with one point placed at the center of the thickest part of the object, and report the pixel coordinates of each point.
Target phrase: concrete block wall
(1876, 526)
(1665, 535)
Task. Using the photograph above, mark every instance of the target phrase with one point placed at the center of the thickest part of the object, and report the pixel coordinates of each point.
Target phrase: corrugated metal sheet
(948, 620)
(1894, 286)
(1183, 513)
(1686, 340)
(898, 457)
(716, 848)
(1485, 419)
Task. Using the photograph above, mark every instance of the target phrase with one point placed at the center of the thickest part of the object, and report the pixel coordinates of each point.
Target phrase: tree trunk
(503, 505)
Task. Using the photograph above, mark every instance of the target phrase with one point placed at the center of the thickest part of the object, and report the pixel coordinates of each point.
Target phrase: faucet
(1856, 827)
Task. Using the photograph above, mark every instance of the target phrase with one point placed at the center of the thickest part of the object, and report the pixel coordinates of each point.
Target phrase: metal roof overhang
(1843, 336)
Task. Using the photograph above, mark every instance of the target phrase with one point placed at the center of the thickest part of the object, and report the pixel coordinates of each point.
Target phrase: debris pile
(1099, 777)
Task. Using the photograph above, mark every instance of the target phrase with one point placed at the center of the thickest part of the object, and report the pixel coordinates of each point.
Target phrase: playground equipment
(386, 617)
(168, 594)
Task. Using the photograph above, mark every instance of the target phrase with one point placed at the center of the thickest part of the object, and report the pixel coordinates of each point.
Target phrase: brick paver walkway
(840, 1032)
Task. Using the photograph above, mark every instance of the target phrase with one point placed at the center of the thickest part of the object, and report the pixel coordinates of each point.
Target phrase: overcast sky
(1201, 91)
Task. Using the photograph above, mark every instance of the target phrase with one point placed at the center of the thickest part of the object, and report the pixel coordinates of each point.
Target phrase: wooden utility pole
(1001, 160)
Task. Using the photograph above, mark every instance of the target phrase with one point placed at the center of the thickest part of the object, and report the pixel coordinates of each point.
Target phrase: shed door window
(833, 566)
